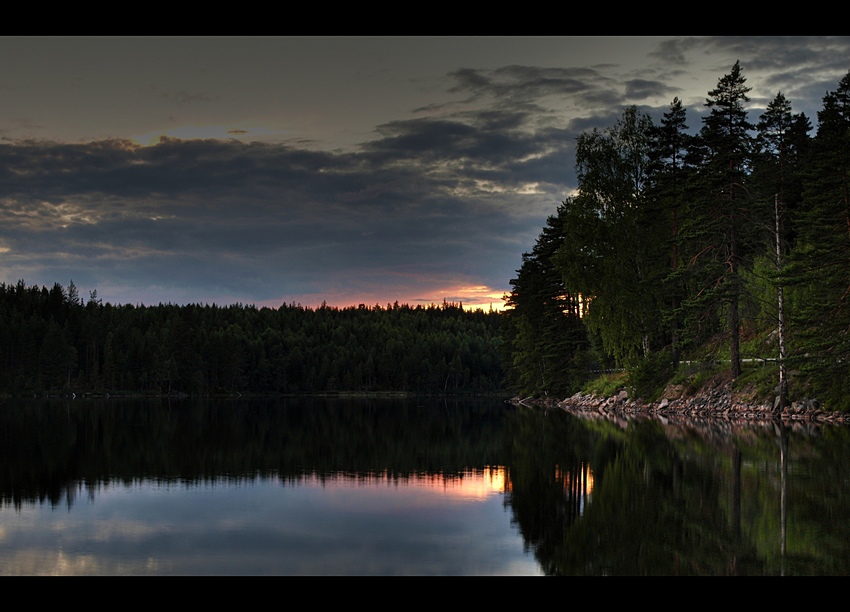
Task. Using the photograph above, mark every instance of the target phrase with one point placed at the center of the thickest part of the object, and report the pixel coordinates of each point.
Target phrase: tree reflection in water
(685, 498)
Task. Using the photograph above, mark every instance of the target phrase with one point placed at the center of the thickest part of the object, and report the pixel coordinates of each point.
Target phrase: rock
(717, 403)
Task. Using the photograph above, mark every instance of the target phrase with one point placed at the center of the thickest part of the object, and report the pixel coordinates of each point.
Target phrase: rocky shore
(715, 401)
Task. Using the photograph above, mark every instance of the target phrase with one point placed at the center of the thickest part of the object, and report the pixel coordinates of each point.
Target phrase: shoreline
(714, 402)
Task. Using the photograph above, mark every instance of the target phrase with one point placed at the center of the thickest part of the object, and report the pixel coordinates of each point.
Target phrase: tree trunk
(734, 317)
(783, 377)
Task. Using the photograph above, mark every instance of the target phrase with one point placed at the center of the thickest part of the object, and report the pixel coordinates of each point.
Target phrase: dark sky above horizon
(264, 170)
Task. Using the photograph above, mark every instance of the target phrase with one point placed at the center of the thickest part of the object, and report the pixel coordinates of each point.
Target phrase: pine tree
(546, 340)
(722, 212)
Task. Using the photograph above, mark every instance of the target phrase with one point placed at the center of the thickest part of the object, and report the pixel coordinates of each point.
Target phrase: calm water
(410, 487)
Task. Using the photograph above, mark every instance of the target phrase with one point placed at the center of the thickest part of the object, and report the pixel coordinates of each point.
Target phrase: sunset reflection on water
(378, 523)
(471, 484)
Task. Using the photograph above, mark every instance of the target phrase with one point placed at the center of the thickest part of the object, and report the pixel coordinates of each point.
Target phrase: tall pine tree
(722, 213)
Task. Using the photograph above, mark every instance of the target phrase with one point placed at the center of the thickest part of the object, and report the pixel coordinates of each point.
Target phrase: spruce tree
(783, 142)
(668, 175)
(782, 139)
(819, 265)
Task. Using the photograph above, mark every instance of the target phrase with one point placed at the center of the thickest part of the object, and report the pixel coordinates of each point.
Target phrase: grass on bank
(650, 377)
(605, 385)
(649, 381)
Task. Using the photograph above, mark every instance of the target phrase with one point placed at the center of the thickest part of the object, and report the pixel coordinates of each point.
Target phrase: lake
(421, 486)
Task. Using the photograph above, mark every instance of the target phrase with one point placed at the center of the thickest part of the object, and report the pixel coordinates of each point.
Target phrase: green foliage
(762, 377)
(759, 305)
(545, 340)
(818, 265)
(611, 252)
(647, 377)
(694, 375)
(605, 385)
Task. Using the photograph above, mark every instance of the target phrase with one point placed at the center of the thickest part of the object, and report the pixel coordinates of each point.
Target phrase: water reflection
(678, 497)
(412, 487)
(275, 487)
(336, 525)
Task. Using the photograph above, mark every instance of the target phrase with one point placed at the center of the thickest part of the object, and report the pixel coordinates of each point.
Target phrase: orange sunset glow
(471, 485)
(582, 482)
(470, 297)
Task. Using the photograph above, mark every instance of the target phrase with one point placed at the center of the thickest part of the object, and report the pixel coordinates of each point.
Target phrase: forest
(724, 248)
(54, 342)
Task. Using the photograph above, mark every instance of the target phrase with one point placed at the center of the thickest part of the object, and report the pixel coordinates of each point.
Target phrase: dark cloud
(519, 85)
(639, 89)
(675, 52)
(777, 54)
(493, 148)
(208, 217)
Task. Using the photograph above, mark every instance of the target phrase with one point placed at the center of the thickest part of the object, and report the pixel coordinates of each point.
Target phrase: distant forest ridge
(52, 341)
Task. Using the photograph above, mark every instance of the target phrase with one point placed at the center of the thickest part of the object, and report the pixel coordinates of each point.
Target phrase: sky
(348, 169)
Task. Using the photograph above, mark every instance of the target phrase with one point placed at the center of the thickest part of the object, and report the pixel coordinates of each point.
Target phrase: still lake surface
(422, 486)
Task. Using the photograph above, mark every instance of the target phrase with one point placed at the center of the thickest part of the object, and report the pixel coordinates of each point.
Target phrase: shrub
(647, 377)
(605, 385)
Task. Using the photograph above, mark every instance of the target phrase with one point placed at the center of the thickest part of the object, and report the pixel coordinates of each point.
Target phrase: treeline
(53, 341)
(727, 242)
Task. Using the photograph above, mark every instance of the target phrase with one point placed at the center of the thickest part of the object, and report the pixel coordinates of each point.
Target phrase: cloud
(530, 82)
(676, 52)
(640, 89)
(213, 217)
